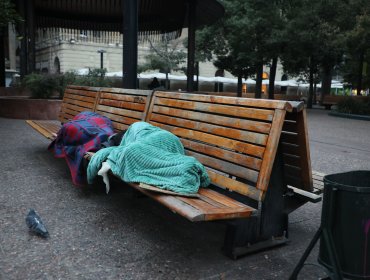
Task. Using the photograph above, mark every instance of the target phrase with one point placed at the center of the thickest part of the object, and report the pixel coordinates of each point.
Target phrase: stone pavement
(99, 236)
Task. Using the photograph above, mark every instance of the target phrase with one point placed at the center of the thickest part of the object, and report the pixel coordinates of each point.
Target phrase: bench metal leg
(242, 238)
(269, 228)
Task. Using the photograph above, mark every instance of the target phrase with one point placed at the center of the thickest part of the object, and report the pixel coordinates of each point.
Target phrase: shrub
(41, 85)
(45, 85)
(351, 106)
(95, 78)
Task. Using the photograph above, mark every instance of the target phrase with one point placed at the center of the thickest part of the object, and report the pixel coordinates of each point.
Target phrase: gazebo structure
(129, 17)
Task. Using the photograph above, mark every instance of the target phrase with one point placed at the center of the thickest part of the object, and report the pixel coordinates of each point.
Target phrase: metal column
(31, 36)
(191, 44)
(130, 30)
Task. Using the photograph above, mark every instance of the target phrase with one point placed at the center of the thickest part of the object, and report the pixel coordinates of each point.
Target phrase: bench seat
(209, 205)
(206, 205)
(48, 128)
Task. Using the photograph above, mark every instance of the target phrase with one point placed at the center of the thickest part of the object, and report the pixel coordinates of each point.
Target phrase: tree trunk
(272, 78)
(259, 73)
(196, 86)
(326, 81)
(310, 91)
(240, 85)
(2, 58)
(23, 33)
(359, 77)
(314, 93)
(31, 36)
(167, 82)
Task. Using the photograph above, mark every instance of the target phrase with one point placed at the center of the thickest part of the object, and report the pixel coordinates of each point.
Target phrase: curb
(350, 116)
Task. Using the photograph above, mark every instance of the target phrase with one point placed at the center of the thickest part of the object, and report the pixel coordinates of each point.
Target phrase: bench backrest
(296, 151)
(294, 146)
(123, 106)
(334, 99)
(235, 138)
(76, 100)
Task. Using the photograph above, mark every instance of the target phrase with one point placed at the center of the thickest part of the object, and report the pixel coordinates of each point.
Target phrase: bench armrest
(309, 196)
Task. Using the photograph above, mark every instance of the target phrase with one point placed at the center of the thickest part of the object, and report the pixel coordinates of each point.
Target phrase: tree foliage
(165, 56)
(310, 37)
(8, 13)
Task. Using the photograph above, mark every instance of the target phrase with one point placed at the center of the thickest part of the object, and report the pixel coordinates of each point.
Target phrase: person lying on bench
(84, 133)
(153, 156)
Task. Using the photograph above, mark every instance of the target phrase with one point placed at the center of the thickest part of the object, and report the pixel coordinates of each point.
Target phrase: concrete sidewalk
(99, 236)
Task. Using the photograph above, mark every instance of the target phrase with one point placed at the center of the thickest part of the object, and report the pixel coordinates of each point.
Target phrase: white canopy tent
(289, 83)
(172, 77)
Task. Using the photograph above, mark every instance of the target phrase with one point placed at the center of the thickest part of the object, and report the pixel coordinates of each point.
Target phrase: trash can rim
(347, 187)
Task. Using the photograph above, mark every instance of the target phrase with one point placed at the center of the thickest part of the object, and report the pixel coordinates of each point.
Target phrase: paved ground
(99, 236)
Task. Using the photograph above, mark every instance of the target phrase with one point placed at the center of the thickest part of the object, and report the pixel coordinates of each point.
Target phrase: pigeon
(34, 222)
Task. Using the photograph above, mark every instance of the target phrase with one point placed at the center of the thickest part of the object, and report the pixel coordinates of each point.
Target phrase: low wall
(21, 107)
(14, 91)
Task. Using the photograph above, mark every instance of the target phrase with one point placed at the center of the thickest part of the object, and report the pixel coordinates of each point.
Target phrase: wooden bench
(241, 143)
(330, 100)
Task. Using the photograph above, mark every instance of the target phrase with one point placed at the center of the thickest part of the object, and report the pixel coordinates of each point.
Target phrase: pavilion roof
(155, 16)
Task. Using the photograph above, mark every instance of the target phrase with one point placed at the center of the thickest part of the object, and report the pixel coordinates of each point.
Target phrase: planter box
(20, 107)
(14, 91)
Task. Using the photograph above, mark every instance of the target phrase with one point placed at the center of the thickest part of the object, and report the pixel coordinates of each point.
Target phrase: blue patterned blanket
(84, 133)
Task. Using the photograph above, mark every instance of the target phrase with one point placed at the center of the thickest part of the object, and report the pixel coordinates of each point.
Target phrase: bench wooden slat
(290, 125)
(289, 159)
(192, 208)
(83, 92)
(219, 198)
(231, 184)
(252, 137)
(230, 168)
(233, 122)
(270, 151)
(122, 104)
(238, 158)
(123, 96)
(288, 148)
(67, 111)
(269, 104)
(120, 126)
(118, 111)
(252, 113)
(126, 91)
(118, 119)
(83, 104)
(292, 170)
(289, 137)
(47, 128)
(86, 99)
(238, 146)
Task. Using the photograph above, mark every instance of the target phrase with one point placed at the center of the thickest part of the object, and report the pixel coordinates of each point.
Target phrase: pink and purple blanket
(84, 133)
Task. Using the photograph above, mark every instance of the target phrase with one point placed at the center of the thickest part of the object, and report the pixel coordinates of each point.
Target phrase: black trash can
(346, 220)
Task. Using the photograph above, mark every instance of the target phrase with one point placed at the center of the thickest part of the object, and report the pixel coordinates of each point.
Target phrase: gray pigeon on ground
(35, 223)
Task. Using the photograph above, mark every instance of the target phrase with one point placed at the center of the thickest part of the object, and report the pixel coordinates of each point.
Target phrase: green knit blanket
(151, 155)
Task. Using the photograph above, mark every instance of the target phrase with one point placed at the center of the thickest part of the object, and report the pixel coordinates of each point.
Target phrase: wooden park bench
(255, 151)
(330, 100)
